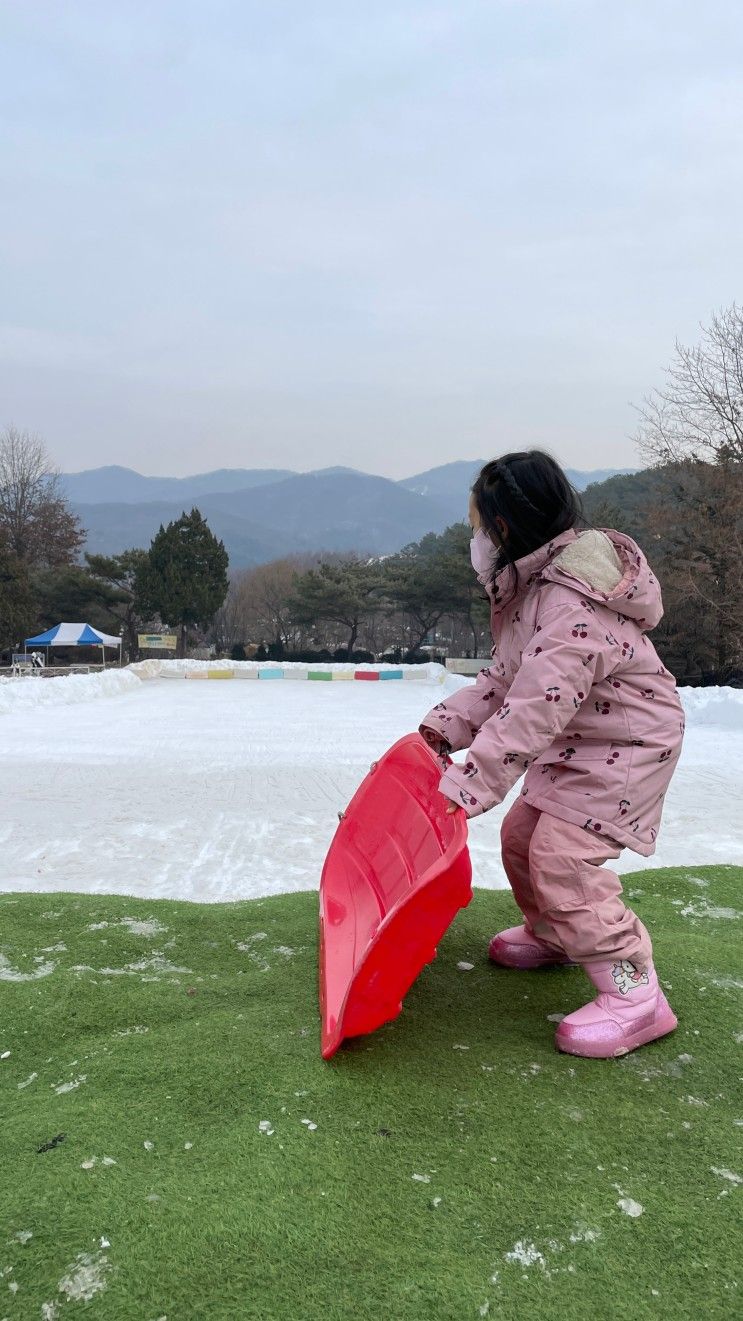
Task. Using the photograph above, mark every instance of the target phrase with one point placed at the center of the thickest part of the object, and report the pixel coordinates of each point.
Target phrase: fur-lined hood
(601, 564)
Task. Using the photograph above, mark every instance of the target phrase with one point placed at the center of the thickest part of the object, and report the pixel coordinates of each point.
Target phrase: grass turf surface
(459, 1166)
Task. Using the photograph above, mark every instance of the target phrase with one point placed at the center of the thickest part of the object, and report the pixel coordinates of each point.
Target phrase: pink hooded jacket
(576, 694)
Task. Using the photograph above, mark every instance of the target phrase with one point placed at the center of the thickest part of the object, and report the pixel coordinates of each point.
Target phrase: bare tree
(691, 431)
(698, 525)
(258, 603)
(698, 414)
(38, 526)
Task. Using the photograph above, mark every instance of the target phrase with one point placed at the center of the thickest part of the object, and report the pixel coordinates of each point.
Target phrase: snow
(125, 782)
(85, 1278)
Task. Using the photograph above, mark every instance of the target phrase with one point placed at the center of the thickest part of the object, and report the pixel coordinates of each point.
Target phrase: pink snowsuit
(576, 697)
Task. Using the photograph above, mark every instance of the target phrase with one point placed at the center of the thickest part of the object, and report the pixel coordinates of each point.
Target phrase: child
(577, 698)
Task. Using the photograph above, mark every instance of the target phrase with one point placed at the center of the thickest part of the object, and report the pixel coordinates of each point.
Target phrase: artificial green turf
(520, 1150)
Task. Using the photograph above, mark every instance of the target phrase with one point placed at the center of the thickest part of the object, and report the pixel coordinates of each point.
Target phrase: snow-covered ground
(215, 791)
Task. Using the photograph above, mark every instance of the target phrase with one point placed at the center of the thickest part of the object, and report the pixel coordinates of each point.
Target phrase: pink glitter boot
(629, 1011)
(519, 948)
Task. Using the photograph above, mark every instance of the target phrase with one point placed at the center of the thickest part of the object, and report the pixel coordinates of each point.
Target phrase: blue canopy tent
(75, 635)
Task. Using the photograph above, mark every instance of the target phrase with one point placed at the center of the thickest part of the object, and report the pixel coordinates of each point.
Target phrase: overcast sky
(309, 232)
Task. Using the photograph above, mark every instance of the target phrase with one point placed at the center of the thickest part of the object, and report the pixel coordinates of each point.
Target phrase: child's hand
(438, 744)
(452, 808)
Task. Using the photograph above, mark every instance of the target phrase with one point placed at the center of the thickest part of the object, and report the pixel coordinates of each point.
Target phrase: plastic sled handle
(397, 872)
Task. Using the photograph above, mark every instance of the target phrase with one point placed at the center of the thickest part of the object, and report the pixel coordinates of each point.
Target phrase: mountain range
(262, 513)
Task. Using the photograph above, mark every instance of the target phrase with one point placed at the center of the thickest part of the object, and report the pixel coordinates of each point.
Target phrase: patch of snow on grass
(86, 1275)
(730, 1175)
(630, 1207)
(143, 927)
(582, 1234)
(526, 1254)
(10, 974)
(703, 908)
(156, 964)
(72, 1086)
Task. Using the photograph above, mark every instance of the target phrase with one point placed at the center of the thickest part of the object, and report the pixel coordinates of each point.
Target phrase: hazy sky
(307, 232)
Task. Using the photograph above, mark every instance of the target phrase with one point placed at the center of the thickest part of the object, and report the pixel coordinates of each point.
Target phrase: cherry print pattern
(637, 716)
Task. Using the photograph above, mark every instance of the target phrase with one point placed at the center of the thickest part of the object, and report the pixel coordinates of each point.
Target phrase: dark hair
(531, 493)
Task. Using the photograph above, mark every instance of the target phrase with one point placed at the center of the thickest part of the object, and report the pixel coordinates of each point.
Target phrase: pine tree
(184, 578)
(345, 593)
(119, 575)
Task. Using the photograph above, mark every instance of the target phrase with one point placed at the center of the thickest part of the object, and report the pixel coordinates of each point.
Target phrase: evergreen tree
(431, 578)
(17, 604)
(344, 593)
(118, 574)
(184, 578)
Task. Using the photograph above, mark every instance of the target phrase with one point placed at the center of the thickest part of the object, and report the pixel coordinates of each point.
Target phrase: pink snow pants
(567, 898)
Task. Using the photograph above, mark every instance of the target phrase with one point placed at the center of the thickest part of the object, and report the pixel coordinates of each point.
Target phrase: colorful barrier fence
(321, 676)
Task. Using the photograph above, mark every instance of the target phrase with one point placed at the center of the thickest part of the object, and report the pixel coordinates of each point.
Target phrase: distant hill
(624, 501)
(449, 484)
(264, 513)
(114, 485)
(340, 511)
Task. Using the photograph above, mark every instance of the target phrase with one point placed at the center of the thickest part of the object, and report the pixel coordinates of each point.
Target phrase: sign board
(157, 641)
(467, 664)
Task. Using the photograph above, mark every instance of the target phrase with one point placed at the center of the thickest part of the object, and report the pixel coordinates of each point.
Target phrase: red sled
(397, 873)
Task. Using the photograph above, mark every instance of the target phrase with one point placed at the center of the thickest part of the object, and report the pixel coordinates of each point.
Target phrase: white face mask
(482, 554)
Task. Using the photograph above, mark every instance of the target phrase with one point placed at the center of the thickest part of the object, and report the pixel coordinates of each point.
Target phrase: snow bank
(720, 707)
(713, 706)
(31, 693)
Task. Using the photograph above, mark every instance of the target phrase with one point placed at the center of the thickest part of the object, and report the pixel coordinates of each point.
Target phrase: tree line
(340, 606)
(180, 580)
(685, 509)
